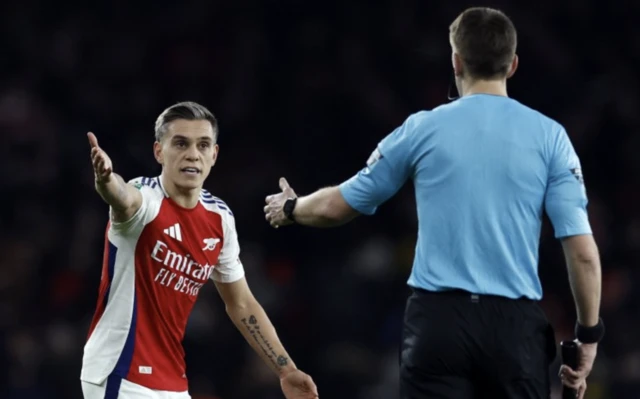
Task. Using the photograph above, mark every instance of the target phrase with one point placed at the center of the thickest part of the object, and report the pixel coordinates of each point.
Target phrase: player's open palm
(102, 166)
(298, 385)
(274, 210)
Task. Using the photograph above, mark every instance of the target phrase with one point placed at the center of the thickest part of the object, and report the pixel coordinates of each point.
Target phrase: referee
(484, 168)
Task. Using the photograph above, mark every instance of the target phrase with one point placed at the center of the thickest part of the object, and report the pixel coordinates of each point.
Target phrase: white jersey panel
(152, 196)
(229, 268)
(107, 341)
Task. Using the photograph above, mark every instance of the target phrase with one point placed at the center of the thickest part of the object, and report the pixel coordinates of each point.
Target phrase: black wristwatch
(590, 335)
(289, 206)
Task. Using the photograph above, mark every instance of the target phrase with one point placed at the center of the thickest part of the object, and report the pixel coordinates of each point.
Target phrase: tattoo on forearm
(251, 324)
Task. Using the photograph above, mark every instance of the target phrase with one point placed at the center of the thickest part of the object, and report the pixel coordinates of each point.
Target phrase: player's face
(187, 152)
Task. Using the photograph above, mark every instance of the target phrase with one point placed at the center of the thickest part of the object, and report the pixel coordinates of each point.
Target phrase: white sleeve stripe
(232, 273)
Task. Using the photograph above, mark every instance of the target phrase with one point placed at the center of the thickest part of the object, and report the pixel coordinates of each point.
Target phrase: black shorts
(461, 346)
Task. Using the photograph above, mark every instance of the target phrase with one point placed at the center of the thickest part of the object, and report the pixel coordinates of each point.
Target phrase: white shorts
(123, 389)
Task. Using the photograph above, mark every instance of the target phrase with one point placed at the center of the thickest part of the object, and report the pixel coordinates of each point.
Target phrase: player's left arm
(254, 324)
(250, 318)
(387, 169)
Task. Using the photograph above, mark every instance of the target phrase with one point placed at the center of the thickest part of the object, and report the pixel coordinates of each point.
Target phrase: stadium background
(303, 90)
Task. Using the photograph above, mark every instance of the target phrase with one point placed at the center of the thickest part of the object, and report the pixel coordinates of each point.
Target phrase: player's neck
(493, 87)
(186, 198)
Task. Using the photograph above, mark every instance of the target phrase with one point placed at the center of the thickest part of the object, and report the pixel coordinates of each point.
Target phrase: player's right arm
(124, 199)
(565, 203)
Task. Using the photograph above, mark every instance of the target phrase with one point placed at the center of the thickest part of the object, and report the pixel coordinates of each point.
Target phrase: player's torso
(177, 252)
(154, 266)
(174, 257)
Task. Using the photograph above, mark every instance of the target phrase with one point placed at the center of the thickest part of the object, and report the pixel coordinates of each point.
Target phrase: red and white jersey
(154, 266)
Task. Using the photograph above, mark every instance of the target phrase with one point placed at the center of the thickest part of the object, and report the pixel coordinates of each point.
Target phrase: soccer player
(485, 167)
(166, 238)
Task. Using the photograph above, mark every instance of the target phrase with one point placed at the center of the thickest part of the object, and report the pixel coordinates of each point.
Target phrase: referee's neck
(479, 86)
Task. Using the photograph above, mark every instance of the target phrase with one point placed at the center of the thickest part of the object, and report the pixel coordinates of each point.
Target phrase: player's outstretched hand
(577, 379)
(102, 166)
(298, 385)
(274, 210)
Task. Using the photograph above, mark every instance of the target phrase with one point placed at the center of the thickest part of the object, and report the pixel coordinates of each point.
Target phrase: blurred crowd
(303, 90)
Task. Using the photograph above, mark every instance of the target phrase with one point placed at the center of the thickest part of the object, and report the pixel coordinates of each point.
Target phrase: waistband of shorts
(459, 293)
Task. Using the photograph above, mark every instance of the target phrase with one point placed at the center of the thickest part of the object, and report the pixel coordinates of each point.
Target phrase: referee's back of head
(485, 39)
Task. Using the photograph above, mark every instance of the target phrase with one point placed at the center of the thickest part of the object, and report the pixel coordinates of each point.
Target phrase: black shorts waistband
(466, 294)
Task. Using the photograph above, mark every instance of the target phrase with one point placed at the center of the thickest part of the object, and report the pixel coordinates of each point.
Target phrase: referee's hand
(274, 208)
(577, 379)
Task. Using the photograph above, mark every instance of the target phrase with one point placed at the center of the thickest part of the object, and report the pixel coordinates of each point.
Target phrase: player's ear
(513, 67)
(216, 150)
(157, 152)
(456, 62)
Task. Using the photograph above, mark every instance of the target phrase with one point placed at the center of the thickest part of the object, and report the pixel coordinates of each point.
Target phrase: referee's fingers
(570, 377)
(582, 390)
(573, 385)
(569, 372)
(284, 184)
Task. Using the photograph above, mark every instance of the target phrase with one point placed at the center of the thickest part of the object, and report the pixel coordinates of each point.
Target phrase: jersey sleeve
(229, 268)
(566, 196)
(147, 212)
(387, 169)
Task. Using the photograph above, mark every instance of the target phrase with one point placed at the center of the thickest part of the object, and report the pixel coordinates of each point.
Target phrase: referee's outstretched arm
(324, 208)
(390, 165)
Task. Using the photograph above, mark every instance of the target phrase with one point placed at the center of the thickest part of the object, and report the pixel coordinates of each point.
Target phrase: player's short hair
(486, 41)
(188, 110)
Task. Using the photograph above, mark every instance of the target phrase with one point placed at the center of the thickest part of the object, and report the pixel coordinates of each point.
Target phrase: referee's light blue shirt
(484, 168)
